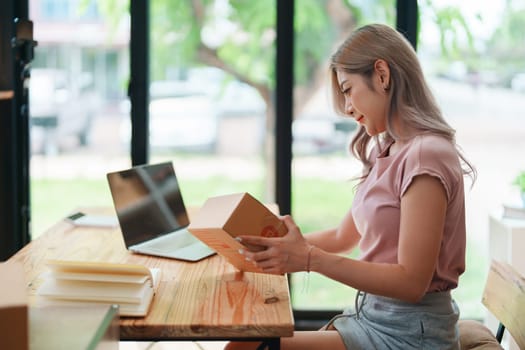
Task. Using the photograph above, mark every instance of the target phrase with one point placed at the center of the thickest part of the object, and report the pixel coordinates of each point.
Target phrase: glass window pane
(77, 85)
(211, 81)
(322, 167)
(471, 68)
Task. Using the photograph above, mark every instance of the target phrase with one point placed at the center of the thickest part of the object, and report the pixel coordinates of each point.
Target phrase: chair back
(504, 296)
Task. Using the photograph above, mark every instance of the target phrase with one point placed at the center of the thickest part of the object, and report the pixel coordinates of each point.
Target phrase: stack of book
(514, 211)
(130, 286)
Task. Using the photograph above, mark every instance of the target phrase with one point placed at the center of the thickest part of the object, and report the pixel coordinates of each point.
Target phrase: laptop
(151, 213)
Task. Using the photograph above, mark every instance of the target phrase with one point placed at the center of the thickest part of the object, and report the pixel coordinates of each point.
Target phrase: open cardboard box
(14, 320)
(222, 218)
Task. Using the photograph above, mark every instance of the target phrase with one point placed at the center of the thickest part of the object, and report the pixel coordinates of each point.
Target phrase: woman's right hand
(285, 254)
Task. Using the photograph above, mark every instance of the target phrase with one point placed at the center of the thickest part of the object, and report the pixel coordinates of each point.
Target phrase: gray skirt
(385, 323)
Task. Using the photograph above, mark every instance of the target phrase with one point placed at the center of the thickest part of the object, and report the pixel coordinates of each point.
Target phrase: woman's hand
(281, 254)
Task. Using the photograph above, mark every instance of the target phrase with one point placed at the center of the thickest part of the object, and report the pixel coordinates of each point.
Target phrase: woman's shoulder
(432, 146)
(433, 155)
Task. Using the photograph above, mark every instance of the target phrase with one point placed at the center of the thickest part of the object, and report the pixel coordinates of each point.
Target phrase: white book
(513, 211)
(130, 286)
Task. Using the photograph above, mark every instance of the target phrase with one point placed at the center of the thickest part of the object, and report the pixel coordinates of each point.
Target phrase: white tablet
(93, 220)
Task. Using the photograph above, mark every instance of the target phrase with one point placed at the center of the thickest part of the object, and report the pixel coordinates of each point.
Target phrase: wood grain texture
(504, 296)
(208, 299)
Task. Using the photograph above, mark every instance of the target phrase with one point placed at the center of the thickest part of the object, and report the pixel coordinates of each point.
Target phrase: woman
(408, 213)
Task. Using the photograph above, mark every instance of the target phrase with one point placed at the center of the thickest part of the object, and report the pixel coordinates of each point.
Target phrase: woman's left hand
(282, 254)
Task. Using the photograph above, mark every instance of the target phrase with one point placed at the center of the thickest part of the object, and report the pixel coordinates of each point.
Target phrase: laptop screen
(148, 201)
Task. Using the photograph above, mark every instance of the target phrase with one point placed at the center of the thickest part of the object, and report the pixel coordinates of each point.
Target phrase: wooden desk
(209, 299)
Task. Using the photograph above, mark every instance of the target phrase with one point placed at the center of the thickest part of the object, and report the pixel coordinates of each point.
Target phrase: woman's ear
(383, 73)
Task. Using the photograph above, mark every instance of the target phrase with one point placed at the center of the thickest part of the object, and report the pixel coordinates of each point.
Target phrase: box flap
(223, 217)
(251, 217)
(216, 211)
(13, 291)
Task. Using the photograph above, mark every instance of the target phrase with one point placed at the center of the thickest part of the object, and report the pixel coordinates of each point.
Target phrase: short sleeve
(434, 156)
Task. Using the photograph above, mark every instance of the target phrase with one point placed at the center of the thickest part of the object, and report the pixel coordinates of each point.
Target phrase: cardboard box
(14, 329)
(223, 218)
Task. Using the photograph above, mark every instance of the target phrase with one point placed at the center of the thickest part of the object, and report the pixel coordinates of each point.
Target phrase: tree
(506, 43)
(242, 43)
(243, 39)
(244, 36)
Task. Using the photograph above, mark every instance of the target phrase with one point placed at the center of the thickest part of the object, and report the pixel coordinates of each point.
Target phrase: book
(222, 218)
(130, 286)
(513, 211)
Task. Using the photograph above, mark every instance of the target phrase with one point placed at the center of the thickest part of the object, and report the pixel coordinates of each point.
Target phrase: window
(472, 80)
(78, 80)
(61, 10)
(211, 72)
(322, 167)
(212, 109)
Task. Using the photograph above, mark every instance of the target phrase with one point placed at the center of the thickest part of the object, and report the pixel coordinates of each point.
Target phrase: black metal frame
(16, 54)
(139, 81)
(407, 19)
(284, 105)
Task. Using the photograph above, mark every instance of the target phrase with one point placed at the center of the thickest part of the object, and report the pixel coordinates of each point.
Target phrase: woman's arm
(337, 240)
(423, 209)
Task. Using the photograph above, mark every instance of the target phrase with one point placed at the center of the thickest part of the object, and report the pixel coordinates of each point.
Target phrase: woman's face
(366, 106)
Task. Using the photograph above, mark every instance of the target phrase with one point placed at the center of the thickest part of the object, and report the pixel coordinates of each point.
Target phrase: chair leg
(499, 334)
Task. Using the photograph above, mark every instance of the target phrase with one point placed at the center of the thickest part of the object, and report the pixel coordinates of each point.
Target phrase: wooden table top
(208, 299)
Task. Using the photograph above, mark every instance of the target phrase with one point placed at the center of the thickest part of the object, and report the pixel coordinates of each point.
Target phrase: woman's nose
(349, 109)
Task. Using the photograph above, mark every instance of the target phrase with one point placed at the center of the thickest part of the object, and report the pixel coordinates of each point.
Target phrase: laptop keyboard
(173, 241)
(179, 245)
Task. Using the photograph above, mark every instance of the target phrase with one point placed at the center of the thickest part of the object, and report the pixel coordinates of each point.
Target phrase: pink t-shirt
(377, 203)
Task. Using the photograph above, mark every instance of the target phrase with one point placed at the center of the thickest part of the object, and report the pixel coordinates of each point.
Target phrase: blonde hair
(411, 100)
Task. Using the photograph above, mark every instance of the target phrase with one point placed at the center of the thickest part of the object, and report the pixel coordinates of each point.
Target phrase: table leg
(270, 344)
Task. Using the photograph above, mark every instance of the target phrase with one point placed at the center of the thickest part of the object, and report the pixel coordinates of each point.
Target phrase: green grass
(52, 199)
(317, 203)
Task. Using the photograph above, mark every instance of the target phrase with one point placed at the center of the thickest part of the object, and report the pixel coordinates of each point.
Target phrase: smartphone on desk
(92, 220)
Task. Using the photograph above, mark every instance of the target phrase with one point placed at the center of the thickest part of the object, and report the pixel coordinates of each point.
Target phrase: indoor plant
(519, 181)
